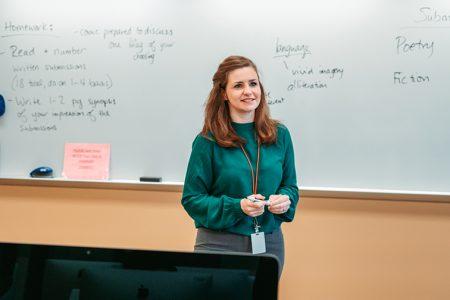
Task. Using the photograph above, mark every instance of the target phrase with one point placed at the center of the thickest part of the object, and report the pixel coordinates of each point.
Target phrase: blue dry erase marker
(2, 105)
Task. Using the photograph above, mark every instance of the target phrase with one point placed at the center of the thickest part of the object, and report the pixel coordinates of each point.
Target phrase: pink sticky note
(86, 161)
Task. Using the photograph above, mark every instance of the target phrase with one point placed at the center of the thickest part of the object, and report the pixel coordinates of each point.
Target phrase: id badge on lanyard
(258, 243)
(258, 240)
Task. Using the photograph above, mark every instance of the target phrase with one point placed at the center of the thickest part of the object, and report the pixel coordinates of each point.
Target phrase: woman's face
(243, 93)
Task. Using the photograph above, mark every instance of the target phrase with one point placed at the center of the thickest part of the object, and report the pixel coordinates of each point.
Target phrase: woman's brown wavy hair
(217, 112)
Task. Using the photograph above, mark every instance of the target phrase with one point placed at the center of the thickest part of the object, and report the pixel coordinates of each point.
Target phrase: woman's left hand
(279, 204)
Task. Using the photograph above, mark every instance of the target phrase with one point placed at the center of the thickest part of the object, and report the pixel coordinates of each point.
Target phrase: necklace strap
(254, 178)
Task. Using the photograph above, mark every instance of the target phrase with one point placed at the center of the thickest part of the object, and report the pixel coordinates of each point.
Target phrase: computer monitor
(62, 277)
(62, 272)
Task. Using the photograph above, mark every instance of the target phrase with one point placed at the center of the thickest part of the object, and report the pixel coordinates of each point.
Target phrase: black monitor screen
(61, 272)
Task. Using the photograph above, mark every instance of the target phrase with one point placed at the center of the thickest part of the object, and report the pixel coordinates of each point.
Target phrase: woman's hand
(279, 204)
(253, 209)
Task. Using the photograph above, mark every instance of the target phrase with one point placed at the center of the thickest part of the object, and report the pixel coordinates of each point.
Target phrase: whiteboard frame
(314, 192)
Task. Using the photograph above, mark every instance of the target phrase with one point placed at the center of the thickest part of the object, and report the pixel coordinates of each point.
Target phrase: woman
(241, 159)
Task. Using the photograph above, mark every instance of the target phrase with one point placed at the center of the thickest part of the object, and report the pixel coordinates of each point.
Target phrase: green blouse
(217, 178)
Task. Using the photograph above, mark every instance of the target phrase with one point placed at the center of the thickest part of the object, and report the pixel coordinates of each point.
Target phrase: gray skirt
(212, 240)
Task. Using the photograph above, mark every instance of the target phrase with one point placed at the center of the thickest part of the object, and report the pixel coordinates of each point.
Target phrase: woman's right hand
(253, 209)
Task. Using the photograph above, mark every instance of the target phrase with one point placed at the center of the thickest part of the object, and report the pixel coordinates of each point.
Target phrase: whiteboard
(362, 85)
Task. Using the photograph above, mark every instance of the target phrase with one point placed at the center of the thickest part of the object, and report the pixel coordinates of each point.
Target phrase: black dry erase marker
(150, 179)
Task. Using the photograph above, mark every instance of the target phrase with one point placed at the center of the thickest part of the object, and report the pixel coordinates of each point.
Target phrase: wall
(336, 248)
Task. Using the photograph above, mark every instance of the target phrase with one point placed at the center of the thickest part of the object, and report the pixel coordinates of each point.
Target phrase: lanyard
(254, 179)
